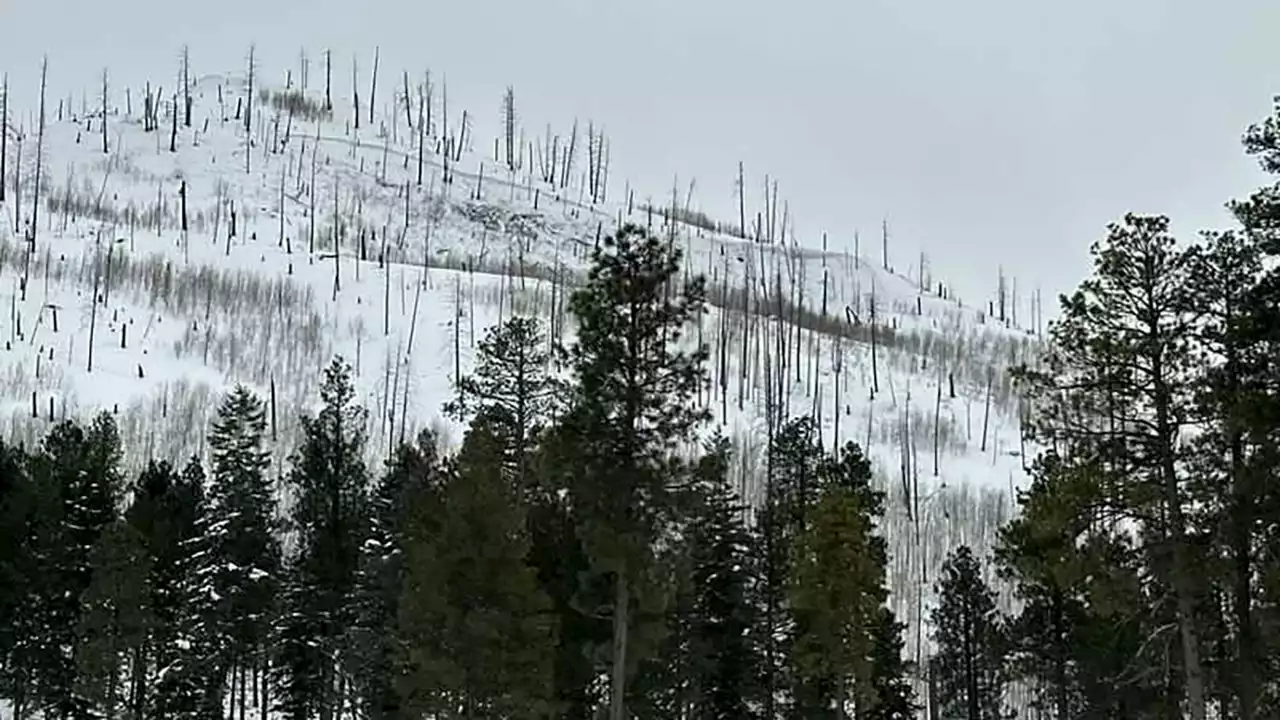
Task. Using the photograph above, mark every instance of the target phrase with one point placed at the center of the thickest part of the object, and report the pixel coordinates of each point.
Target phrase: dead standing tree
(373, 86)
(4, 134)
(104, 111)
(186, 86)
(35, 202)
(509, 126)
(328, 81)
(248, 113)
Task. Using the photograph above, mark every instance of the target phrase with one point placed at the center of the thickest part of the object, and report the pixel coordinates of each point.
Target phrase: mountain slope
(187, 308)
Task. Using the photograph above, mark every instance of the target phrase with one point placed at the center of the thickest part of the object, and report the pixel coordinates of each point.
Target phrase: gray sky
(988, 131)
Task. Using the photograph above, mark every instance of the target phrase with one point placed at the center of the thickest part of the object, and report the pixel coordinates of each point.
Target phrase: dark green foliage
(891, 696)
(329, 520)
(837, 590)
(970, 665)
(512, 386)
(723, 628)
(1080, 634)
(478, 630)
(17, 567)
(77, 473)
(172, 512)
(634, 402)
(116, 615)
(244, 556)
(411, 477)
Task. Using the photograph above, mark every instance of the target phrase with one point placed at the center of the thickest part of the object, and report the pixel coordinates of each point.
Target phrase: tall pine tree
(328, 520)
(634, 401)
(970, 665)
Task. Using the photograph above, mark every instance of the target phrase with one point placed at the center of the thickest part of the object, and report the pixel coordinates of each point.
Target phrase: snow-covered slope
(422, 270)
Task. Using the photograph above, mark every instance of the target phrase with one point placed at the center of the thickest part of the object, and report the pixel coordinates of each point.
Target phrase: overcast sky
(988, 131)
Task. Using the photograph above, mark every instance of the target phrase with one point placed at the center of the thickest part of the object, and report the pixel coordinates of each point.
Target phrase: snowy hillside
(212, 256)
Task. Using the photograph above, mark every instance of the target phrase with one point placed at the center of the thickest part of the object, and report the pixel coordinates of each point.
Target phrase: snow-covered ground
(183, 315)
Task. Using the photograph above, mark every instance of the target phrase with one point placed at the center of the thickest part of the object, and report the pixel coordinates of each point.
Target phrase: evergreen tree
(794, 464)
(115, 615)
(18, 573)
(512, 385)
(412, 473)
(478, 629)
(244, 549)
(79, 468)
(970, 664)
(559, 555)
(891, 696)
(329, 518)
(163, 513)
(837, 590)
(633, 403)
(1079, 638)
(725, 650)
(1118, 384)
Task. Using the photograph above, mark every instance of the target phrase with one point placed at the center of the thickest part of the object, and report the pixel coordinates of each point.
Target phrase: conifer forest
(587, 551)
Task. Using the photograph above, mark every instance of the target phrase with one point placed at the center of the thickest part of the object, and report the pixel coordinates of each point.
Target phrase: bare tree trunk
(618, 678)
(422, 134)
(248, 114)
(355, 92)
(186, 85)
(35, 204)
(937, 412)
(328, 80)
(93, 310)
(373, 86)
(104, 111)
(986, 413)
(4, 135)
(875, 374)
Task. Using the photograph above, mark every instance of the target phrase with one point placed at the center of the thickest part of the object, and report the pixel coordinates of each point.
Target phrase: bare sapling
(444, 127)
(742, 203)
(93, 312)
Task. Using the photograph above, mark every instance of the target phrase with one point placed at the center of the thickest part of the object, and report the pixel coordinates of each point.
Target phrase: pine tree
(116, 616)
(559, 555)
(725, 650)
(413, 473)
(1118, 383)
(970, 663)
(513, 386)
(793, 463)
(17, 572)
(633, 402)
(166, 512)
(329, 518)
(478, 628)
(891, 696)
(837, 589)
(1080, 636)
(80, 469)
(244, 549)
